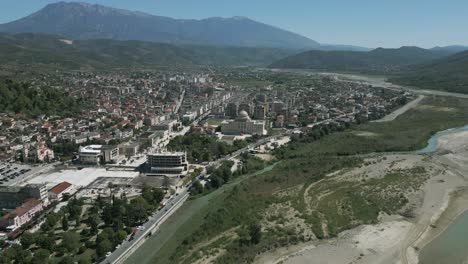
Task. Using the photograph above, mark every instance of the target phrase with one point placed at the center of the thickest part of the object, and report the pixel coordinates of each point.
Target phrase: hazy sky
(371, 23)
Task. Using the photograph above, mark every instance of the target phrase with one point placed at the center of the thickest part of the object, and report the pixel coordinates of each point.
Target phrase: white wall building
(243, 125)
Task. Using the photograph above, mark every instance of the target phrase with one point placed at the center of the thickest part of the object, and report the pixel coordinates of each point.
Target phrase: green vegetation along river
(187, 218)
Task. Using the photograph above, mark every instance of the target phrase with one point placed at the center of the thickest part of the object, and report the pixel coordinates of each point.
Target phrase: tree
(196, 188)
(16, 254)
(216, 181)
(121, 235)
(27, 239)
(77, 221)
(71, 241)
(67, 260)
(206, 156)
(103, 247)
(139, 209)
(93, 222)
(65, 223)
(51, 221)
(46, 241)
(255, 232)
(158, 195)
(41, 256)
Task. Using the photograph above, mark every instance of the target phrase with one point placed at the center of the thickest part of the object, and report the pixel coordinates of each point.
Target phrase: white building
(243, 125)
(189, 116)
(97, 154)
(128, 149)
(57, 192)
(90, 154)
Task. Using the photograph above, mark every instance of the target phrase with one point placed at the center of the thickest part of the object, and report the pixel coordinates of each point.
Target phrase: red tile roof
(23, 209)
(60, 187)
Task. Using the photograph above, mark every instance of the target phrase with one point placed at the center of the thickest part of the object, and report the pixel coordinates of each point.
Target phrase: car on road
(108, 254)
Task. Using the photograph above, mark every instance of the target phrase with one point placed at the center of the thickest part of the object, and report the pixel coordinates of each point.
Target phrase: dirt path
(228, 233)
(401, 110)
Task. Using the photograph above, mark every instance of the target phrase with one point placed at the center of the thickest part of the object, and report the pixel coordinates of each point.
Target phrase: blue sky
(371, 23)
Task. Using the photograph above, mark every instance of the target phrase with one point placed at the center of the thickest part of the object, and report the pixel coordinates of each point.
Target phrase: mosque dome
(243, 116)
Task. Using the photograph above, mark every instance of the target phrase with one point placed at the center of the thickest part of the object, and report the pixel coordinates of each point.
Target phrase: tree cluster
(22, 98)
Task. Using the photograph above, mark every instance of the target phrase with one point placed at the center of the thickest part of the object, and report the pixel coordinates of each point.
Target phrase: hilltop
(379, 60)
(449, 74)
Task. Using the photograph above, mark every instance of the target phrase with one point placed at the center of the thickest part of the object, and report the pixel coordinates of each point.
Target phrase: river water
(451, 246)
(433, 141)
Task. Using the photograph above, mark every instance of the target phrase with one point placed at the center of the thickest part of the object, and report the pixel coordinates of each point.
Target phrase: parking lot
(79, 177)
(11, 173)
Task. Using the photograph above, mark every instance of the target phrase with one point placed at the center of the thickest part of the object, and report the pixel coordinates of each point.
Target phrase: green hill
(32, 101)
(448, 74)
(22, 51)
(376, 61)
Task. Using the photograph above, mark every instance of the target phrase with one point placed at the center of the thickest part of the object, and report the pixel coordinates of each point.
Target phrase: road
(382, 82)
(401, 110)
(128, 246)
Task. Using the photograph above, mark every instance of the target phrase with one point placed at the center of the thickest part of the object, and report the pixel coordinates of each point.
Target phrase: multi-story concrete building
(261, 98)
(110, 153)
(14, 196)
(243, 125)
(90, 154)
(277, 107)
(97, 154)
(260, 112)
(169, 167)
(128, 149)
(21, 215)
(165, 125)
(232, 110)
(170, 164)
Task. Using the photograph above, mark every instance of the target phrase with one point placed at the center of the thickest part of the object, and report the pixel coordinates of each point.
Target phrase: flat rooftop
(81, 177)
(166, 154)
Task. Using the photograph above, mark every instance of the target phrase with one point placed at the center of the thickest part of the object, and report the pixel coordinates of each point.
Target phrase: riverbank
(396, 239)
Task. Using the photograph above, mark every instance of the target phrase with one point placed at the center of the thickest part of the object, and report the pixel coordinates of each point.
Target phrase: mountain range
(92, 21)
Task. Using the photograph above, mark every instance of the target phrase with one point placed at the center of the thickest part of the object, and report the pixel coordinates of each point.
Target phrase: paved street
(128, 246)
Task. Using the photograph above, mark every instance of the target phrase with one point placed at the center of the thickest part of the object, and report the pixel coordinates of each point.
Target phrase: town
(152, 138)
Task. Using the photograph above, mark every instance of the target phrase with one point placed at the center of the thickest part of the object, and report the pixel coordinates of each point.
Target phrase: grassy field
(249, 83)
(304, 162)
(214, 121)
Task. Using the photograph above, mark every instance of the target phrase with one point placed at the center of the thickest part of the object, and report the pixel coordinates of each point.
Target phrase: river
(433, 141)
(451, 246)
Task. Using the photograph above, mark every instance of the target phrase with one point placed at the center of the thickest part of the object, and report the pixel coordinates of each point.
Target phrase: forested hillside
(22, 98)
